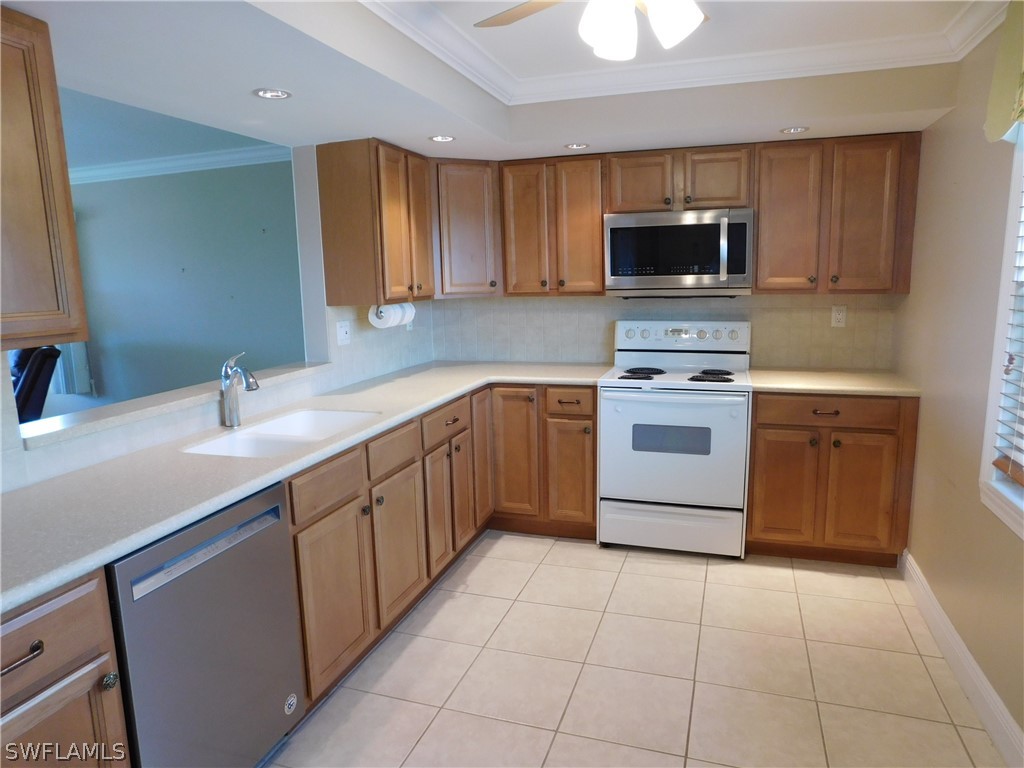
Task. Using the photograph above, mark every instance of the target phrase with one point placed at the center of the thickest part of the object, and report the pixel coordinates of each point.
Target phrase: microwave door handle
(723, 249)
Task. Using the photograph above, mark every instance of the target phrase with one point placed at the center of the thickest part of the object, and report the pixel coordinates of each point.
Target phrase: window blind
(1010, 428)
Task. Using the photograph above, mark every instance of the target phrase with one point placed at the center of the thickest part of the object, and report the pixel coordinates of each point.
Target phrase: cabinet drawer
(569, 400)
(829, 411)
(328, 486)
(398, 447)
(446, 422)
(72, 626)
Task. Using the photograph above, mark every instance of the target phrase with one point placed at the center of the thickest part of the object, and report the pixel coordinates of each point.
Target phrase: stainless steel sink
(284, 434)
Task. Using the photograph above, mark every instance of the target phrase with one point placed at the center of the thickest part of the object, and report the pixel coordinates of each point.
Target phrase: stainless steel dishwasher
(211, 647)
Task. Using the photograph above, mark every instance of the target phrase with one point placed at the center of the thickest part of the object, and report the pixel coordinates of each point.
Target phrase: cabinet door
(516, 462)
(421, 236)
(789, 216)
(570, 465)
(717, 178)
(399, 541)
(437, 471)
(39, 275)
(463, 493)
(640, 183)
(579, 226)
(862, 239)
(75, 710)
(394, 223)
(784, 485)
(527, 228)
(861, 489)
(469, 228)
(336, 582)
(483, 458)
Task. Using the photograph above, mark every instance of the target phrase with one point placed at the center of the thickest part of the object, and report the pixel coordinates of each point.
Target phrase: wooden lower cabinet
(831, 476)
(516, 451)
(399, 541)
(570, 469)
(483, 457)
(67, 692)
(437, 473)
(463, 492)
(336, 578)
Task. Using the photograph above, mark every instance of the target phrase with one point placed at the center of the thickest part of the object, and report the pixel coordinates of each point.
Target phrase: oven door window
(661, 438)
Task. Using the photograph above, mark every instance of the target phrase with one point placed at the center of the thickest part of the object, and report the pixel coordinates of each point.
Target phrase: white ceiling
(403, 71)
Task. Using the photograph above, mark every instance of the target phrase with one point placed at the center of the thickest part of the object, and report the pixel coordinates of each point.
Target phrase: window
(1002, 474)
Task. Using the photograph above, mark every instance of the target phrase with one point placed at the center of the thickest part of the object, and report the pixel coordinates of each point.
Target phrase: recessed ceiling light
(795, 129)
(271, 93)
(442, 138)
(576, 145)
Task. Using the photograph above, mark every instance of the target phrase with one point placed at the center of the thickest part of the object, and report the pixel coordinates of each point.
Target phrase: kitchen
(975, 571)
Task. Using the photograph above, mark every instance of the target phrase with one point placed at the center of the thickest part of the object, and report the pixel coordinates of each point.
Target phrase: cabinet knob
(834, 278)
(561, 283)
(668, 201)
(812, 279)
(688, 198)
(530, 398)
(587, 430)
(110, 681)
(419, 287)
(493, 283)
(837, 443)
(814, 442)
(366, 509)
(543, 283)
(410, 287)
(379, 501)
(458, 449)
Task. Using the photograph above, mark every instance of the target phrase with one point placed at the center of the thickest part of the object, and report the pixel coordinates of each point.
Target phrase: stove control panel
(656, 335)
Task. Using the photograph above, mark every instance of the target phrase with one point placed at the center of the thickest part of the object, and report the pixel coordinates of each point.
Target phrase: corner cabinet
(831, 476)
(469, 223)
(837, 216)
(553, 227)
(41, 282)
(376, 222)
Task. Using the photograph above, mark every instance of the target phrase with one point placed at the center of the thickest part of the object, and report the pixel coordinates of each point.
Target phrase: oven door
(674, 447)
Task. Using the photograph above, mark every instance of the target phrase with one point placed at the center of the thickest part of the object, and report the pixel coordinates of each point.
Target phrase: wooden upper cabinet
(789, 191)
(640, 182)
(469, 222)
(376, 223)
(41, 282)
(554, 235)
(714, 178)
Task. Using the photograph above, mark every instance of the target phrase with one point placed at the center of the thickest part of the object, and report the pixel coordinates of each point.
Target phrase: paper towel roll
(390, 315)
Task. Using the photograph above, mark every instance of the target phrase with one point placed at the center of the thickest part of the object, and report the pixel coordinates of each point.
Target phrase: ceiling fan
(609, 26)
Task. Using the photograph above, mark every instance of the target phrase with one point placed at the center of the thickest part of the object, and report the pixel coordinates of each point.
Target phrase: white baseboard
(1004, 731)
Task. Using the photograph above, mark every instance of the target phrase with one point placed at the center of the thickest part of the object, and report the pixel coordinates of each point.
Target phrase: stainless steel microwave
(679, 253)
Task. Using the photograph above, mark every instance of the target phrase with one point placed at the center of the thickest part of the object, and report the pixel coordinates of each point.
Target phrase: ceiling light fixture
(610, 28)
(442, 138)
(576, 145)
(271, 93)
(795, 129)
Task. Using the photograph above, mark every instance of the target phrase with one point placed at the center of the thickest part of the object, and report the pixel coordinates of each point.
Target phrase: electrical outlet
(344, 333)
(839, 316)
(408, 326)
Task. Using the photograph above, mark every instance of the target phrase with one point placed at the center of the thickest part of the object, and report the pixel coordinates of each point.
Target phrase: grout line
(810, 670)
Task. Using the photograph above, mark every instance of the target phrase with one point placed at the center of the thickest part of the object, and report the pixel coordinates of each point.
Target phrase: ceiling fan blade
(516, 13)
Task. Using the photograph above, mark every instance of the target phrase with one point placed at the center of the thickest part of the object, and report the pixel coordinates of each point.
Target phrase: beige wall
(944, 331)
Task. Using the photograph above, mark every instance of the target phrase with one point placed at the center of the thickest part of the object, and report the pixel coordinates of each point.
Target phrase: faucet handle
(229, 364)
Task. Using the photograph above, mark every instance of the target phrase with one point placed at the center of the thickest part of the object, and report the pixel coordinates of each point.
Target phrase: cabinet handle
(35, 650)
(458, 449)
(587, 430)
(561, 283)
(493, 283)
(543, 283)
(379, 501)
(834, 278)
(688, 199)
(668, 201)
(366, 509)
(837, 443)
(530, 398)
(818, 412)
(110, 681)
(812, 279)
(569, 402)
(453, 421)
(814, 442)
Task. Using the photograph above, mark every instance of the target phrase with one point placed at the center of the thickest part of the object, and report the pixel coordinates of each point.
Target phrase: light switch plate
(344, 333)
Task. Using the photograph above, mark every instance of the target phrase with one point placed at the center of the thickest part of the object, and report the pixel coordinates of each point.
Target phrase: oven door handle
(723, 249)
(683, 398)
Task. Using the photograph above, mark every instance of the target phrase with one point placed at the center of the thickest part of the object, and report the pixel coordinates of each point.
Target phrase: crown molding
(199, 161)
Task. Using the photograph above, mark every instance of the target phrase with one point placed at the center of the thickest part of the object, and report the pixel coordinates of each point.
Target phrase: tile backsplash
(787, 331)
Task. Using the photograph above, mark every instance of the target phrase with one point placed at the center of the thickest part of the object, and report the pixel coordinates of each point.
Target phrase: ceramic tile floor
(538, 651)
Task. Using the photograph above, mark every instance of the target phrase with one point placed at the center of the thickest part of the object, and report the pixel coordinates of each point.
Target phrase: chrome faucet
(231, 376)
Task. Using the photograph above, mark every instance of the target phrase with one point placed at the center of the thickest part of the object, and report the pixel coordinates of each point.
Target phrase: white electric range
(673, 436)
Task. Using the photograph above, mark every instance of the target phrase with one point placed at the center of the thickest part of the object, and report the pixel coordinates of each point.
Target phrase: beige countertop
(62, 528)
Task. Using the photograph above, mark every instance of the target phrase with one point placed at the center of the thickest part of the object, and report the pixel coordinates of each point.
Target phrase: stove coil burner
(715, 372)
(711, 378)
(635, 376)
(645, 371)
